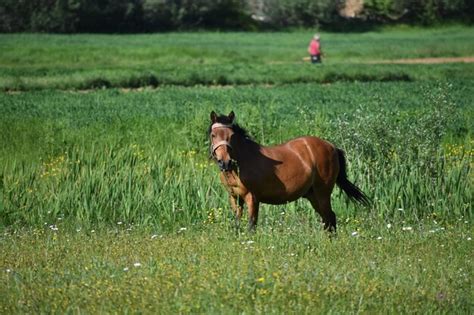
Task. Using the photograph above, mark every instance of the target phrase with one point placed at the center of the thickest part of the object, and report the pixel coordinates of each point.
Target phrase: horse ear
(213, 116)
(231, 116)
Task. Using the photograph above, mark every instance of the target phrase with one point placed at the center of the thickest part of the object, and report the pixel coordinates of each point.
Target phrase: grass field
(109, 202)
(33, 61)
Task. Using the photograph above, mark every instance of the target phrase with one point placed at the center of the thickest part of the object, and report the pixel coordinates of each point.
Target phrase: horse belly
(278, 200)
(285, 190)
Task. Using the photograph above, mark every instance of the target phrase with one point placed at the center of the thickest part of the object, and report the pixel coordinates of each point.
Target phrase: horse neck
(246, 148)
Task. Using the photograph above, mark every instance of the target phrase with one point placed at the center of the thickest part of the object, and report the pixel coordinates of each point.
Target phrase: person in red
(314, 49)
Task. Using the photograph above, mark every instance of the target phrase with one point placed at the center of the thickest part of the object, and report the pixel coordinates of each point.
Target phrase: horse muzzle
(225, 166)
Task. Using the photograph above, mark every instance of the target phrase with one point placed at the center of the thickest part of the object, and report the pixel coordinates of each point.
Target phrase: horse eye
(213, 136)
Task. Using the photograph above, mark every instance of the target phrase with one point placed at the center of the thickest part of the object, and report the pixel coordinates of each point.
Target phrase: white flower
(137, 264)
(407, 228)
(389, 226)
(355, 233)
(182, 229)
(469, 238)
(119, 222)
(154, 236)
(8, 270)
(125, 269)
(53, 227)
(379, 238)
(250, 242)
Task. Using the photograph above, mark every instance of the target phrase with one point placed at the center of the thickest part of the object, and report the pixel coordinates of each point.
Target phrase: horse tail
(352, 191)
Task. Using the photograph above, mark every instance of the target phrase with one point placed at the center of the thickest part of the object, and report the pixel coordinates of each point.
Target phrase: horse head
(221, 132)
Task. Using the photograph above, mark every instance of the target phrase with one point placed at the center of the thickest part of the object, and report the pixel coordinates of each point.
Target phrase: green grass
(93, 182)
(287, 267)
(41, 61)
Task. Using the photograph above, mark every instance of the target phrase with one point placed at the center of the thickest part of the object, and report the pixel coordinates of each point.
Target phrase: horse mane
(223, 119)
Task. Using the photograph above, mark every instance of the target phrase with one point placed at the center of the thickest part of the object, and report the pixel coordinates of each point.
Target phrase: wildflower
(250, 242)
(389, 226)
(469, 238)
(407, 228)
(440, 296)
(53, 227)
(262, 279)
(182, 229)
(355, 233)
(125, 269)
(119, 222)
(154, 236)
(137, 264)
(8, 270)
(379, 238)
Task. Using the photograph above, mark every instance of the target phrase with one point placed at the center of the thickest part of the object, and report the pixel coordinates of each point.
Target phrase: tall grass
(104, 157)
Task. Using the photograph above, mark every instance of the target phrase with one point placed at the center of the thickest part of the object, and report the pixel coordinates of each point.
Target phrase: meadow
(42, 61)
(110, 203)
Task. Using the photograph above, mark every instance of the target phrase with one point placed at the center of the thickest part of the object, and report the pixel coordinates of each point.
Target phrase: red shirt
(313, 48)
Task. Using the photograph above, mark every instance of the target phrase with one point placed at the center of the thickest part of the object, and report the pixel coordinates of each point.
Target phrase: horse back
(298, 165)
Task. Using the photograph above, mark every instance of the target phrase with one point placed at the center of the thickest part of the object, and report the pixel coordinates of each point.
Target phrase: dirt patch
(424, 60)
(411, 60)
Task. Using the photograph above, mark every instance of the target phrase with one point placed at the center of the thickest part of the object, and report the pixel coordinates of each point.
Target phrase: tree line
(127, 16)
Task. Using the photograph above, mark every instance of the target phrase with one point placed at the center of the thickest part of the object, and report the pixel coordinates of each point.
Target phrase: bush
(306, 13)
(424, 11)
(172, 14)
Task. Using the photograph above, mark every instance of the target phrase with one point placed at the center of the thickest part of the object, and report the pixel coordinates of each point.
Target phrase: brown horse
(306, 167)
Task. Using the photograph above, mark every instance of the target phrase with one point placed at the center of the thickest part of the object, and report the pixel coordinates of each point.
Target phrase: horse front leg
(237, 207)
(252, 206)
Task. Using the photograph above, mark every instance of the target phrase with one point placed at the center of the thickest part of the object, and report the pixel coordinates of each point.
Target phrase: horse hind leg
(321, 203)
